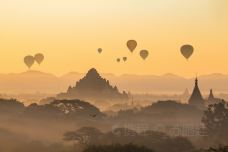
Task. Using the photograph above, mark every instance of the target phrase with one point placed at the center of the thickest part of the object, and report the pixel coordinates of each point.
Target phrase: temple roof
(211, 95)
(92, 73)
(196, 96)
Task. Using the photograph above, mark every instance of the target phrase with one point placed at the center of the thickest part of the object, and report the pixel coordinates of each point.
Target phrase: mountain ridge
(38, 81)
(112, 74)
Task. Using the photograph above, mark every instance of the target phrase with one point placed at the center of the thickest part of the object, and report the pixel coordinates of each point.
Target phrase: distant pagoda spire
(211, 95)
(196, 98)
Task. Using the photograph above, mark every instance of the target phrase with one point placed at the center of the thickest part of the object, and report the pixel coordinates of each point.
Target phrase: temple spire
(196, 98)
(211, 95)
(196, 82)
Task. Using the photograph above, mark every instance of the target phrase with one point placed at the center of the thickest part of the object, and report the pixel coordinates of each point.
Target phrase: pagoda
(93, 87)
(211, 95)
(212, 99)
(196, 98)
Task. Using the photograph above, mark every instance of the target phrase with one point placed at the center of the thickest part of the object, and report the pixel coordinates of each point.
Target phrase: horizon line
(117, 75)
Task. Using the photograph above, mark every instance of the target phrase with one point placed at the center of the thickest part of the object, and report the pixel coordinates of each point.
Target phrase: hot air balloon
(187, 51)
(99, 50)
(131, 44)
(118, 59)
(144, 54)
(29, 61)
(124, 59)
(39, 58)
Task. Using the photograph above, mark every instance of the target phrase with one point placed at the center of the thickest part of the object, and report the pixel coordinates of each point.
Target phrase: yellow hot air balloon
(131, 44)
(29, 61)
(187, 51)
(144, 54)
(39, 57)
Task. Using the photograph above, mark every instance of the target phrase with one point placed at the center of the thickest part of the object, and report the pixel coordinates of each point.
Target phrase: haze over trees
(56, 109)
(61, 124)
(163, 112)
(159, 142)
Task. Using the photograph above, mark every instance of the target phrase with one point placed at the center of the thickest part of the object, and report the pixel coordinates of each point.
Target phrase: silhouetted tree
(163, 111)
(160, 142)
(117, 148)
(220, 149)
(11, 106)
(64, 108)
(85, 136)
(215, 120)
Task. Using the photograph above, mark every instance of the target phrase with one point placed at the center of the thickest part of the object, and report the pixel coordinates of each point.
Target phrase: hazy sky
(69, 32)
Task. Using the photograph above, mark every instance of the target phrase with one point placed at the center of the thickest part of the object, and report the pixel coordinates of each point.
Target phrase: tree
(11, 106)
(64, 108)
(160, 142)
(220, 149)
(84, 136)
(215, 120)
(118, 148)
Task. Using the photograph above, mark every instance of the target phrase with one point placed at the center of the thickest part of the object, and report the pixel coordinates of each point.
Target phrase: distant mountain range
(40, 82)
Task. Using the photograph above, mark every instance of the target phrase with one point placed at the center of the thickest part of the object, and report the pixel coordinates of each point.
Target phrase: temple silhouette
(93, 87)
(212, 99)
(196, 99)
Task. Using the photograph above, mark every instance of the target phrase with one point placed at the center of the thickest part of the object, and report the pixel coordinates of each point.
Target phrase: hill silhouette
(37, 81)
(29, 82)
(93, 87)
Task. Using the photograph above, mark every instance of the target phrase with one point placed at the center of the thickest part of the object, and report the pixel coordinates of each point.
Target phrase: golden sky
(69, 32)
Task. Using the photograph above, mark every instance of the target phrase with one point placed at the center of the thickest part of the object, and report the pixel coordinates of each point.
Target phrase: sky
(69, 32)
